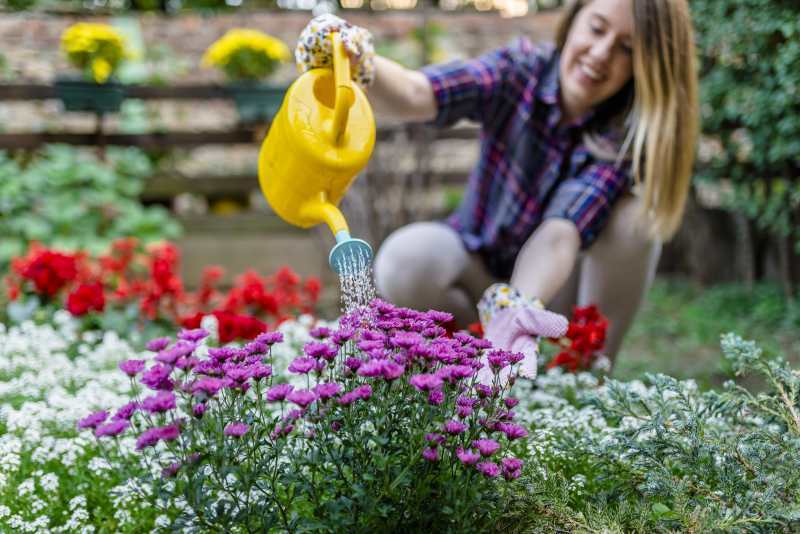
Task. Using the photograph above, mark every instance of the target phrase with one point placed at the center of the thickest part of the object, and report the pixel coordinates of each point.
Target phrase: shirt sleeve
(586, 199)
(471, 89)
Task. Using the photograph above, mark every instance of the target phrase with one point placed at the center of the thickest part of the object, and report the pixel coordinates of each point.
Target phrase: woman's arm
(401, 93)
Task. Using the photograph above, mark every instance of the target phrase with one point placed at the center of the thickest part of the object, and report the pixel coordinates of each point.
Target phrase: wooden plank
(168, 186)
(30, 91)
(146, 141)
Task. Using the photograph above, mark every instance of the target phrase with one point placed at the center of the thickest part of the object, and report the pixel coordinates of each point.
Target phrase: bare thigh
(425, 265)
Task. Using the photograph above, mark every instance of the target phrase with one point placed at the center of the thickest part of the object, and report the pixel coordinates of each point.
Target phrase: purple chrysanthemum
(302, 365)
(489, 469)
(486, 447)
(463, 411)
(364, 392)
(436, 439)
(254, 347)
(498, 359)
(515, 357)
(436, 397)
(510, 402)
(432, 455)
(483, 390)
(279, 392)
(320, 332)
(343, 335)
(327, 390)
(301, 397)
(126, 411)
(426, 382)
(353, 363)
(198, 410)
(453, 373)
(259, 371)
(463, 400)
(132, 367)
(155, 345)
(157, 377)
(150, 437)
(406, 340)
(222, 354)
(371, 368)
(114, 428)
(171, 470)
(454, 427)
(392, 371)
(511, 464)
(92, 420)
(512, 431)
(269, 338)
(438, 316)
(236, 430)
(467, 457)
(195, 334)
(209, 386)
(319, 349)
(160, 402)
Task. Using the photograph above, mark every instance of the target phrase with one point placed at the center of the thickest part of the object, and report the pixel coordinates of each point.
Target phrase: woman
(586, 154)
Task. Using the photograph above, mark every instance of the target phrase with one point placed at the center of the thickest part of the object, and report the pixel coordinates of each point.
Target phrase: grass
(678, 328)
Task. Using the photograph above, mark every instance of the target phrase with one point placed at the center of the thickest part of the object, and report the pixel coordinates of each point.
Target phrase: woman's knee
(626, 234)
(417, 261)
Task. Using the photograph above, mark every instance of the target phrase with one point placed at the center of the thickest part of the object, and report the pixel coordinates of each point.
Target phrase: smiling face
(596, 60)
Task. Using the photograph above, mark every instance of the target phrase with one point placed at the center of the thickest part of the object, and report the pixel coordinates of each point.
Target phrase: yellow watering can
(321, 138)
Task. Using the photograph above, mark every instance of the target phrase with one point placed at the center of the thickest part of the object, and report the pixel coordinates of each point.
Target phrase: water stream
(356, 285)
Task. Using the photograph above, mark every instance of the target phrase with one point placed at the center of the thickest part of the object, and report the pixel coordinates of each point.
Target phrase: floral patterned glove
(514, 323)
(314, 47)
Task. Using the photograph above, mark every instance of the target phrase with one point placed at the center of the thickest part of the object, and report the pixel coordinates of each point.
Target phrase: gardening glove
(514, 323)
(314, 48)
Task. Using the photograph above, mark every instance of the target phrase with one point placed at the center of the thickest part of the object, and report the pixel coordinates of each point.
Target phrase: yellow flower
(97, 49)
(101, 69)
(246, 54)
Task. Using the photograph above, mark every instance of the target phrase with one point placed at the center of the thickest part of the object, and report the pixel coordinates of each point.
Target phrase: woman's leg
(425, 266)
(617, 270)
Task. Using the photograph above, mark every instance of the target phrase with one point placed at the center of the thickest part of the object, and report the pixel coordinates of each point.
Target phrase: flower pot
(81, 95)
(257, 102)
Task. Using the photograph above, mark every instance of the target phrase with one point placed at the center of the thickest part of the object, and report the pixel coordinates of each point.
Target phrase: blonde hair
(660, 108)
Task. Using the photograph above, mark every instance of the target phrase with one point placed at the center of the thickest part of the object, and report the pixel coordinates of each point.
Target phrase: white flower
(163, 521)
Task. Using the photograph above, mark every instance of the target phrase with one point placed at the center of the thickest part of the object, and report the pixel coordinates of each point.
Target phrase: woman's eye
(596, 30)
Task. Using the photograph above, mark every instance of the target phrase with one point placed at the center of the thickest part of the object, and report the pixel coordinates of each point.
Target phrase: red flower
(86, 298)
(476, 329)
(49, 271)
(232, 326)
(585, 338)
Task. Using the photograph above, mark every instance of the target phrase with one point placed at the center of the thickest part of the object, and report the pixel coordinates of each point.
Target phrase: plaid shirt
(530, 168)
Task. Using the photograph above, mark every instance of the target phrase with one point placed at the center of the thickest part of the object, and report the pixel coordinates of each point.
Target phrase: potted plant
(248, 57)
(97, 50)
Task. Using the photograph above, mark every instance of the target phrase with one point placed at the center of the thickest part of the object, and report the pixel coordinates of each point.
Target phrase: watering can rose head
(96, 49)
(246, 55)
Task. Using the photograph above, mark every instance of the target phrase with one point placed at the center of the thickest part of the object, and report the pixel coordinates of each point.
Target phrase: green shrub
(750, 82)
(70, 200)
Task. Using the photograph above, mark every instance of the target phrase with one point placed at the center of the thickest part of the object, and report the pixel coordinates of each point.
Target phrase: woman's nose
(601, 49)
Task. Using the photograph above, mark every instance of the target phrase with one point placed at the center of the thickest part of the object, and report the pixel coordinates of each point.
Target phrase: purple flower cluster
(378, 355)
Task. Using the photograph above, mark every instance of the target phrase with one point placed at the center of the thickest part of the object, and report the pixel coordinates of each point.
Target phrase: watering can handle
(345, 97)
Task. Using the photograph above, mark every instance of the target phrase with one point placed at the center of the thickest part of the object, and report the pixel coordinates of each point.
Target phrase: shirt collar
(548, 86)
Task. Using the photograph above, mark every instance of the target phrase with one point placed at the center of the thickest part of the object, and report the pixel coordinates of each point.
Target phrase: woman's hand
(514, 323)
(314, 47)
